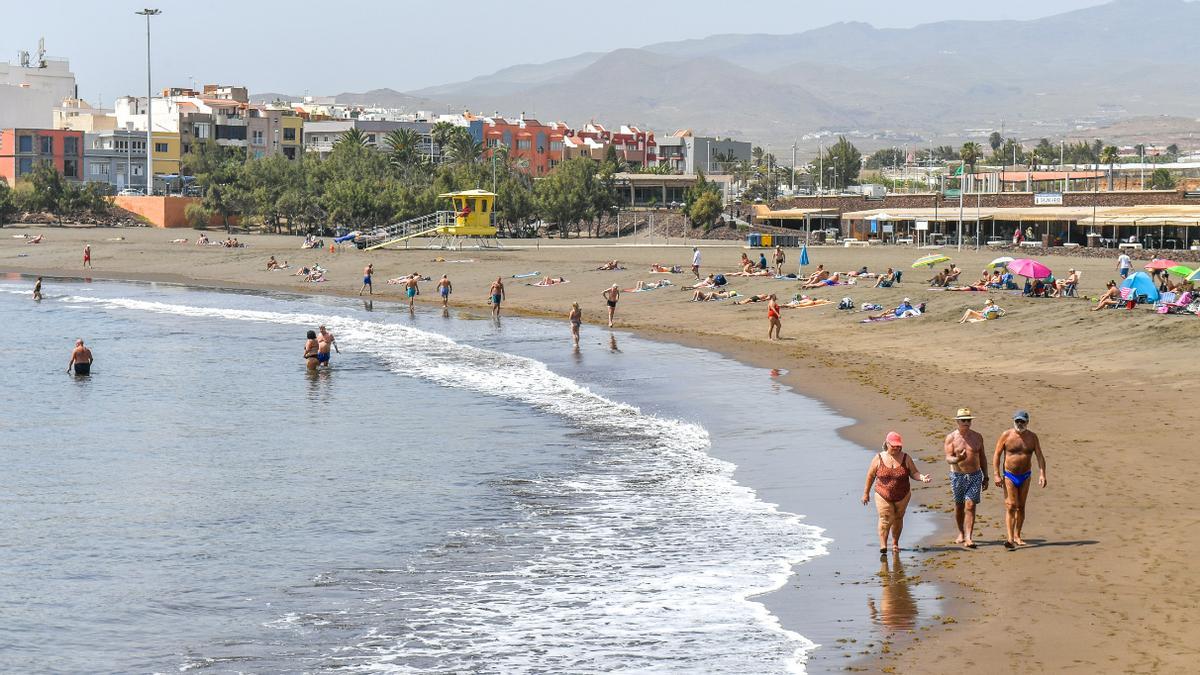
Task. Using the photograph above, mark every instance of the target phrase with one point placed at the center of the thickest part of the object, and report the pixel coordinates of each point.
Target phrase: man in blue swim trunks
(370, 270)
(444, 290)
(325, 340)
(1015, 451)
(968, 474)
(411, 290)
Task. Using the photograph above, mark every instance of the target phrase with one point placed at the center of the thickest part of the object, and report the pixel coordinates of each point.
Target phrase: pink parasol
(1160, 264)
(1029, 268)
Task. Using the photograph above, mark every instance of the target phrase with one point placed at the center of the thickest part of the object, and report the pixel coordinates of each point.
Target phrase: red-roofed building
(633, 145)
(539, 145)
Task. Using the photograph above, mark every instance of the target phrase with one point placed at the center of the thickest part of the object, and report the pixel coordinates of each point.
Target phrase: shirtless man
(780, 258)
(497, 293)
(820, 275)
(968, 474)
(611, 296)
(445, 289)
(37, 289)
(325, 340)
(367, 286)
(81, 359)
(411, 290)
(1016, 448)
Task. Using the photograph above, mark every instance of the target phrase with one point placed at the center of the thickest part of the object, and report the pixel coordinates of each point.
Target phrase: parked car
(131, 192)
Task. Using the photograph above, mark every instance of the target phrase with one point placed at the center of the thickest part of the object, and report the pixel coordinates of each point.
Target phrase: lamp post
(149, 104)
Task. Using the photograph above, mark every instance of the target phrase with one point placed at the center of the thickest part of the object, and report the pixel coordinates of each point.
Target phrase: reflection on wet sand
(897, 609)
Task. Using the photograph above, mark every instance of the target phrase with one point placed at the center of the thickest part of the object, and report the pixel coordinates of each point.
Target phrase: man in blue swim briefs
(444, 290)
(968, 474)
(411, 290)
(325, 340)
(370, 270)
(1014, 452)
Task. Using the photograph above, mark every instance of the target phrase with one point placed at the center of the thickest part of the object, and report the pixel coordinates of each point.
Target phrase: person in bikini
(890, 472)
(773, 321)
(310, 351)
(968, 474)
(576, 318)
(1015, 451)
(1111, 297)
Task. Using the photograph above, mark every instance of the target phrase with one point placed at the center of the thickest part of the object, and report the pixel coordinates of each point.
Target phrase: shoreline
(907, 375)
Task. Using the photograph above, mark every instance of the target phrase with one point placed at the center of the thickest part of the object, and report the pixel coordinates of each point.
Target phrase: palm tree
(442, 133)
(461, 148)
(403, 144)
(353, 136)
(758, 154)
(969, 154)
(1109, 155)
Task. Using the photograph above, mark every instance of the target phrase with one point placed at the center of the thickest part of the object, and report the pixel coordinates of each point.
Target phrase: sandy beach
(1104, 585)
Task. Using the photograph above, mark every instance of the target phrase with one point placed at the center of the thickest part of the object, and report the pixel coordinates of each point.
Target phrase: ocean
(453, 495)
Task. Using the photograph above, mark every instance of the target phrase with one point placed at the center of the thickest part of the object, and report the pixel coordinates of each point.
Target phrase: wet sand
(1105, 584)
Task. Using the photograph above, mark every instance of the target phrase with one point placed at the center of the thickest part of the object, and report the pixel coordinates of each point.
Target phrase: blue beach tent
(1142, 285)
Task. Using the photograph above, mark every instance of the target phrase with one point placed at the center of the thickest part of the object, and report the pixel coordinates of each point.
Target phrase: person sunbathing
(903, 310)
(804, 301)
(651, 285)
(995, 280)
(179, 241)
(953, 274)
(983, 279)
(989, 311)
(203, 240)
(1061, 285)
(973, 287)
(862, 273)
(700, 296)
(708, 282)
(316, 275)
(832, 280)
(886, 279)
(35, 240)
(662, 269)
(550, 281)
(611, 265)
(819, 275)
(753, 298)
(1111, 297)
(272, 264)
(939, 279)
(302, 272)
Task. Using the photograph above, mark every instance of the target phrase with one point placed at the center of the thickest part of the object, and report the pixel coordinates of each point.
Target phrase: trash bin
(766, 240)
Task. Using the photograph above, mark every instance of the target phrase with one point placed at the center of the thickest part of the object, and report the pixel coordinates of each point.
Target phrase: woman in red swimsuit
(773, 323)
(890, 472)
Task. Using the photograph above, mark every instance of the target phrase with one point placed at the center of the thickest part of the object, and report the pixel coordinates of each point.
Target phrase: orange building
(23, 149)
(539, 145)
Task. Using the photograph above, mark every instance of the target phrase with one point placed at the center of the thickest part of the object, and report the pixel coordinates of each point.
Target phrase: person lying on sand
(974, 287)
(819, 275)
(832, 280)
(203, 240)
(1111, 297)
(402, 280)
(315, 276)
(805, 301)
(989, 311)
(701, 296)
(708, 282)
(179, 241)
(549, 281)
(651, 285)
(751, 271)
(861, 273)
(753, 298)
(35, 240)
(904, 309)
(611, 265)
(663, 269)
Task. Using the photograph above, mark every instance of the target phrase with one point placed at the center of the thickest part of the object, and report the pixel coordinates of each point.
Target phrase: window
(523, 144)
(258, 137)
(160, 148)
(47, 143)
(71, 168)
(556, 146)
(100, 169)
(24, 166)
(290, 153)
(71, 145)
(289, 134)
(370, 138)
(201, 131)
(138, 170)
(25, 144)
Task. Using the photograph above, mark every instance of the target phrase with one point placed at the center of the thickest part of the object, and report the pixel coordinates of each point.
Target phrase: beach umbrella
(930, 260)
(1142, 284)
(1194, 276)
(804, 255)
(1161, 264)
(1181, 270)
(1029, 268)
(1002, 261)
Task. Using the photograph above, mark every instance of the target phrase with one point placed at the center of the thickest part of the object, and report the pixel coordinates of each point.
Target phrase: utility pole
(149, 104)
(792, 178)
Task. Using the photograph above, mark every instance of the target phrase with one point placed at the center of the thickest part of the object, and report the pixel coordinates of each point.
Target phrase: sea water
(452, 495)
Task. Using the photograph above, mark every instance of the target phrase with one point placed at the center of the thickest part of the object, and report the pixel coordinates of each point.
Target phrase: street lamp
(149, 104)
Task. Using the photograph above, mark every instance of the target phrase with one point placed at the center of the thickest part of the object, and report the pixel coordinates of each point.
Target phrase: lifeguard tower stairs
(472, 220)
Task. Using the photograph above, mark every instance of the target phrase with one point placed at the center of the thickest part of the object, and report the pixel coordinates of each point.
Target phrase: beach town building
(32, 87)
(22, 149)
(115, 157)
(685, 153)
(321, 135)
(274, 131)
(634, 146)
(537, 146)
(79, 115)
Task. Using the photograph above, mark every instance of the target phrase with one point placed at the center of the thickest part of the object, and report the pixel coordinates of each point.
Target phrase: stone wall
(844, 203)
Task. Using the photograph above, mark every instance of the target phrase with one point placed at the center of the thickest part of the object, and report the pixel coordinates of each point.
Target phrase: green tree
(1162, 179)
(758, 155)
(1110, 155)
(970, 154)
(442, 132)
(884, 157)
(403, 148)
(217, 170)
(565, 197)
(995, 140)
(8, 202)
(704, 210)
(353, 136)
(841, 164)
(463, 148)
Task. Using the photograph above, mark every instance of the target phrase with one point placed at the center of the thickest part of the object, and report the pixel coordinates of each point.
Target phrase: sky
(325, 48)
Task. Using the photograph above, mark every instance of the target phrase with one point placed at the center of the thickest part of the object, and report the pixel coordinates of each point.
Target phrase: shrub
(197, 216)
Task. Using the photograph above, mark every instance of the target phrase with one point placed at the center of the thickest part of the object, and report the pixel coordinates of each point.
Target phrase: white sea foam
(645, 559)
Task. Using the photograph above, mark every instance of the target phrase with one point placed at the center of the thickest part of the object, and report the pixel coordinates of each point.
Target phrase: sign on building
(1048, 199)
(922, 225)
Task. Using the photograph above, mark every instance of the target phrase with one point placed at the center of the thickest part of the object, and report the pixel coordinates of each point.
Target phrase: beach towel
(785, 277)
(526, 275)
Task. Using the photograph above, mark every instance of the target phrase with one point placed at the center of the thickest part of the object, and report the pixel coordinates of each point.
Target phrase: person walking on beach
(445, 289)
(611, 296)
(968, 474)
(1015, 451)
(87, 255)
(696, 262)
(576, 318)
(1123, 265)
(37, 289)
(367, 273)
(773, 321)
(411, 290)
(497, 292)
(890, 471)
(325, 340)
(81, 359)
(780, 258)
(310, 351)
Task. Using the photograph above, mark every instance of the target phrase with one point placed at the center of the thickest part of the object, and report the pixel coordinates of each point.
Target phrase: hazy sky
(329, 47)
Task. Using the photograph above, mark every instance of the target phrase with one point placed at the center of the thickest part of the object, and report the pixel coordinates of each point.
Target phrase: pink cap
(893, 438)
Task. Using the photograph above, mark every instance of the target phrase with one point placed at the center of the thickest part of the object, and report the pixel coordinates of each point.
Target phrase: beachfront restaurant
(1151, 226)
(801, 220)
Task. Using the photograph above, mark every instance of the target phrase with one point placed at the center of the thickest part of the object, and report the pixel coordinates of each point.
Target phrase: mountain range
(939, 81)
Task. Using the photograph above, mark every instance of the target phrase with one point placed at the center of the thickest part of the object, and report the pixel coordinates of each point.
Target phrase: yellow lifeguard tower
(473, 217)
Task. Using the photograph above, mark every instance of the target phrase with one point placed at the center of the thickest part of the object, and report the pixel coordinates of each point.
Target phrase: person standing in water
(411, 291)
(87, 255)
(968, 474)
(611, 296)
(367, 286)
(576, 318)
(890, 471)
(81, 359)
(1015, 451)
(445, 289)
(325, 340)
(497, 293)
(37, 289)
(311, 350)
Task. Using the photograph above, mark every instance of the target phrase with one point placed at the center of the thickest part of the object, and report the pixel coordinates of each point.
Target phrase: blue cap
(1021, 415)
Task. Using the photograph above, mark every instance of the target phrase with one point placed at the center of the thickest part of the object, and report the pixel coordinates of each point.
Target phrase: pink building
(23, 149)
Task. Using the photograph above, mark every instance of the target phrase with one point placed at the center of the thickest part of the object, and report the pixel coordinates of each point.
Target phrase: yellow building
(168, 152)
(291, 141)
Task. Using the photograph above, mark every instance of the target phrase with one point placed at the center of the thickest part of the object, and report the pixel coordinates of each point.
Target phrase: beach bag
(871, 307)
(846, 303)
(720, 280)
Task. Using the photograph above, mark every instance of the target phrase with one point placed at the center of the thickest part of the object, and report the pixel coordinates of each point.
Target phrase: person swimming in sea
(1015, 451)
(81, 359)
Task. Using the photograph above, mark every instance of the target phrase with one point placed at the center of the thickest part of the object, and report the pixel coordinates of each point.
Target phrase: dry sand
(1106, 585)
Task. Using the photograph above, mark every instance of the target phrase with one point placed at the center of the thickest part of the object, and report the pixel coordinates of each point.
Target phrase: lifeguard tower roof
(468, 193)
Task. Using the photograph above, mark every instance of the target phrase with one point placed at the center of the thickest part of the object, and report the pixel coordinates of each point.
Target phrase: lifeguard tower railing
(425, 225)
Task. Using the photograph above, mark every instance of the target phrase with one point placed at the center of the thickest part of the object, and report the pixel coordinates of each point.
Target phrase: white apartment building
(31, 88)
